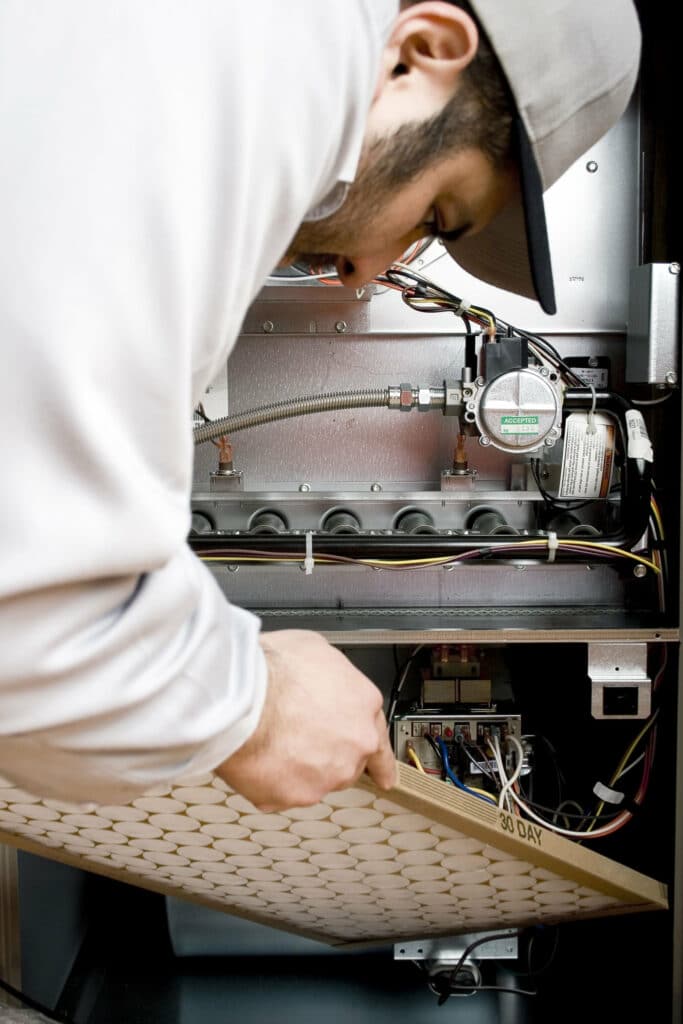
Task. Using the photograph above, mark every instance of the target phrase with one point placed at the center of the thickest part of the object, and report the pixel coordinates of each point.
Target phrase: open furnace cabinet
(482, 512)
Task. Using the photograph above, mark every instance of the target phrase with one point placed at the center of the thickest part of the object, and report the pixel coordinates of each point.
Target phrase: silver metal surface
(378, 628)
(291, 308)
(502, 946)
(375, 510)
(621, 668)
(520, 410)
(349, 588)
(653, 337)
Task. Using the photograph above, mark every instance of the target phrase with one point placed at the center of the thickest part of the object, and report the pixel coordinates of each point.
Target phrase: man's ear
(432, 41)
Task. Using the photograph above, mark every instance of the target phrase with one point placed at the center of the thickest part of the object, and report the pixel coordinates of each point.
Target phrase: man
(158, 160)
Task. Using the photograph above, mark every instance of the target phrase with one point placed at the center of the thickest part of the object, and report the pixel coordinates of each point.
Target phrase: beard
(386, 164)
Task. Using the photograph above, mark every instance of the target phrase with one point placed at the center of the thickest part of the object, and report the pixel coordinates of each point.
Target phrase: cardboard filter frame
(361, 868)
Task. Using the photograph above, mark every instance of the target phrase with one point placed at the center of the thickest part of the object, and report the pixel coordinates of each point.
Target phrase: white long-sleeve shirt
(156, 159)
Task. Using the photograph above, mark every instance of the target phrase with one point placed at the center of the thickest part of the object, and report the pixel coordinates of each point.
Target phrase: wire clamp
(607, 795)
(462, 307)
(309, 561)
(553, 545)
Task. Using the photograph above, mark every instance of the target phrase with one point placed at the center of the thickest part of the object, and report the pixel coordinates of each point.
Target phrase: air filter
(362, 867)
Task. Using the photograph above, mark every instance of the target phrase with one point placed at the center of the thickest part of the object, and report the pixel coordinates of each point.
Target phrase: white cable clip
(590, 426)
(462, 307)
(607, 795)
(309, 561)
(553, 545)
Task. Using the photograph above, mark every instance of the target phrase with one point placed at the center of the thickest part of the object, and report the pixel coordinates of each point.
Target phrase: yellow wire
(482, 316)
(426, 562)
(415, 759)
(655, 512)
(481, 792)
(622, 764)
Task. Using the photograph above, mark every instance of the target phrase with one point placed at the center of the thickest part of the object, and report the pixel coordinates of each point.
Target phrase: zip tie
(462, 307)
(553, 545)
(308, 560)
(590, 427)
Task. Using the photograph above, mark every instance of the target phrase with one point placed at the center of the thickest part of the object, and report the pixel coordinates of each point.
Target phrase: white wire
(596, 834)
(632, 765)
(302, 277)
(508, 792)
(509, 782)
(502, 774)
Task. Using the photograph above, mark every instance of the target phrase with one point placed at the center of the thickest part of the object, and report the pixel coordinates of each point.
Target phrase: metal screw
(671, 377)
(549, 442)
(591, 166)
(544, 371)
(340, 326)
(639, 571)
(484, 440)
(267, 326)
(375, 487)
(233, 568)
(304, 487)
(674, 268)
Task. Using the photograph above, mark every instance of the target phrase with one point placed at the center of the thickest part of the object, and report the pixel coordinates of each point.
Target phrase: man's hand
(322, 726)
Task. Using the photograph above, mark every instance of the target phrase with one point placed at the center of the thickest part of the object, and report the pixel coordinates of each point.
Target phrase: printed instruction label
(639, 444)
(519, 424)
(588, 458)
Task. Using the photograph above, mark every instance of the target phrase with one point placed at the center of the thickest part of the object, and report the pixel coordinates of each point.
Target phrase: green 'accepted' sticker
(519, 424)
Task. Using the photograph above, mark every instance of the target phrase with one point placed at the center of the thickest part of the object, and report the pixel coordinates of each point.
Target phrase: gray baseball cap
(571, 66)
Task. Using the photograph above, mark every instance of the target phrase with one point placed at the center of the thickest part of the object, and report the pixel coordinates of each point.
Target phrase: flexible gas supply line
(403, 397)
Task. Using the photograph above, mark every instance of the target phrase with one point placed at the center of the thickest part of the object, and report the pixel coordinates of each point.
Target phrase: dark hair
(485, 89)
(479, 114)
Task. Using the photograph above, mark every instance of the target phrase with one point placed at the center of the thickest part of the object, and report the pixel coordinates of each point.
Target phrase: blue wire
(454, 778)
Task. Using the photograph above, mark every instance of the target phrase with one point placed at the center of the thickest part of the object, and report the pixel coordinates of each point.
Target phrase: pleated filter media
(361, 867)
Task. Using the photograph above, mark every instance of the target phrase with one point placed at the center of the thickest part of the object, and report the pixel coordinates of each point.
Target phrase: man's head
(477, 110)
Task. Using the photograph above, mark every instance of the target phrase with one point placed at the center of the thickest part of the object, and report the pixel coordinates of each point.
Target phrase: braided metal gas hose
(403, 397)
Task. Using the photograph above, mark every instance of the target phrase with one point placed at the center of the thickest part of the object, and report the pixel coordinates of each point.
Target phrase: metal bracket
(503, 946)
(621, 686)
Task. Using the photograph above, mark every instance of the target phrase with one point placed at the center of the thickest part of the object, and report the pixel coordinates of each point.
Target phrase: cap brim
(512, 252)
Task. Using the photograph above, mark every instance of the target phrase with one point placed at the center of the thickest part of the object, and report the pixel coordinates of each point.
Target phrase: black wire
(33, 1003)
(200, 412)
(437, 750)
(485, 771)
(399, 683)
(467, 951)
(490, 988)
(453, 986)
(549, 500)
(433, 744)
(549, 349)
(549, 960)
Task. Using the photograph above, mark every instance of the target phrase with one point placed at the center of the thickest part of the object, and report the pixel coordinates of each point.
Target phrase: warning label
(588, 456)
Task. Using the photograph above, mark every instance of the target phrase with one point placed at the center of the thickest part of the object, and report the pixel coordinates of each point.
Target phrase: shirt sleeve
(123, 664)
(116, 686)
(140, 213)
